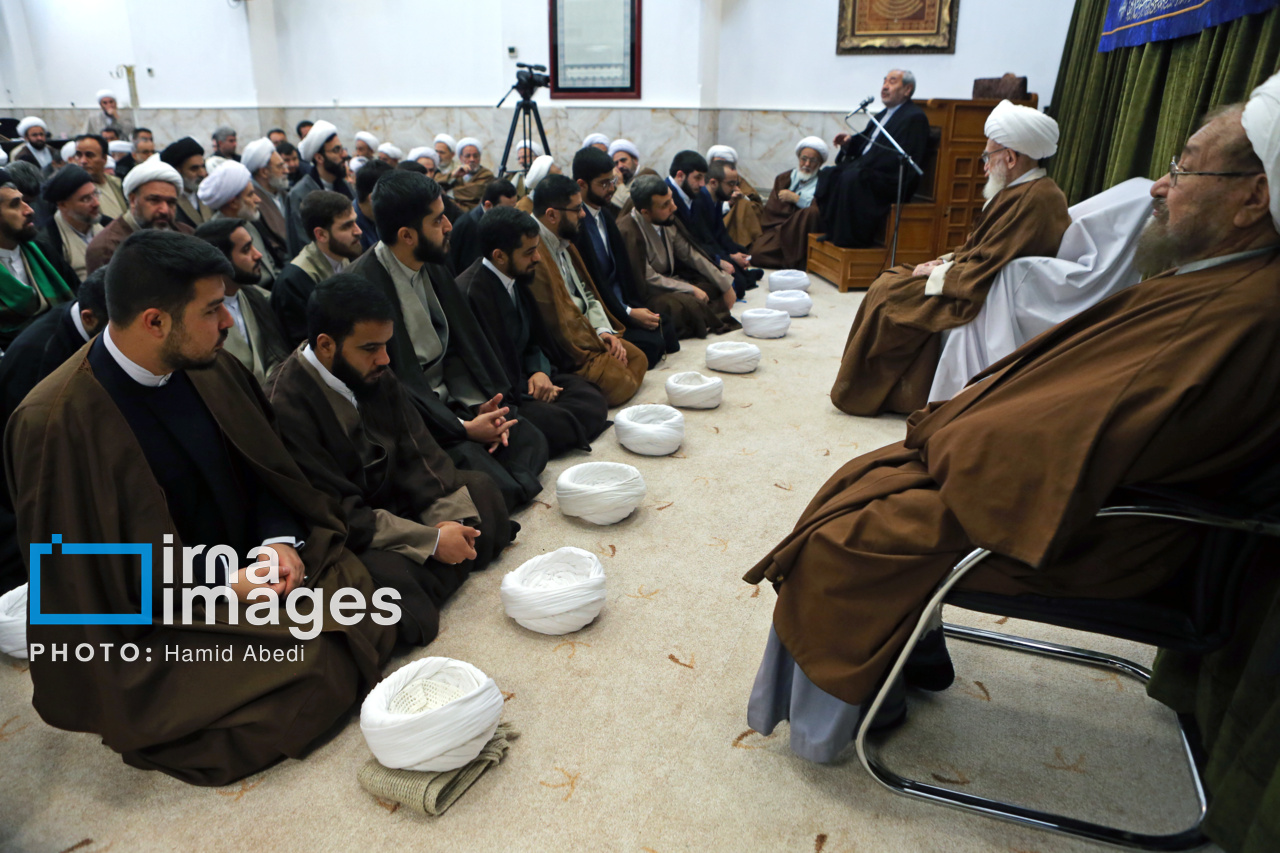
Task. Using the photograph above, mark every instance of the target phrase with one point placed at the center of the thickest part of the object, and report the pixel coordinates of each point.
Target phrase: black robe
(289, 297)
(515, 468)
(695, 222)
(389, 462)
(464, 240)
(517, 335)
(855, 194)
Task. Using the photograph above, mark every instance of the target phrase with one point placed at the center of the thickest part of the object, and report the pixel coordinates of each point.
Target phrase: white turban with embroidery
(532, 146)
(624, 145)
(538, 170)
(1023, 129)
(368, 139)
(722, 152)
(421, 151)
(595, 139)
(817, 144)
(391, 151)
(320, 133)
(447, 140)
(257, 154)
(1261, 121)
(30, 122)
(151, 169)
(223, 184)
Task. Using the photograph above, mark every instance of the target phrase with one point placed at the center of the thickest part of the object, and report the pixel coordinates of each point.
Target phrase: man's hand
(490, 427)
(742, 259)
(730, 297)
(456, 544)
(727, 267)
(789, 197)
(542, 388)
(615, 347)
(841, 139)
(925, 268)
(646, 318)
(291, 573)
(737, 194)
(460, 174)
(701, 295)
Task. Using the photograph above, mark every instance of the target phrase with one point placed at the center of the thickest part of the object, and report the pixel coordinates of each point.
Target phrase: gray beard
(996, 181)
(279, 184)
(189, 185)
(1161, 247)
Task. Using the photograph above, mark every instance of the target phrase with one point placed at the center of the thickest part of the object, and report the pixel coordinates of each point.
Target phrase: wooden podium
(940, 215)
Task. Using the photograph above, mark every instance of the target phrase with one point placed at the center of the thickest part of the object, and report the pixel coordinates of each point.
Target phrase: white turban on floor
(368, 139)
(119, 147)
(151, 169)
(224, 184)
(257, 154)
(68, 150)
(30, 122)
(391, 151)
(1023, 129)
(532, 146)
(595, 139)
(722, 152)
(817, 144)
(104, 93)
(538, 170)
(1261, 121)
(421, 151)
(447, 140)
(624, 145)
(315, 139)
(469, 140)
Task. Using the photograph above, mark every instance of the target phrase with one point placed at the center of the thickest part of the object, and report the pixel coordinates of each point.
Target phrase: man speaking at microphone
(854, 196)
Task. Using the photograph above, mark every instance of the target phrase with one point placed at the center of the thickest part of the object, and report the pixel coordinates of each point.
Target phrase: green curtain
(1123, 114)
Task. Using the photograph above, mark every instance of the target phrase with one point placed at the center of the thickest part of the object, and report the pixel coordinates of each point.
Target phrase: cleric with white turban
(540, 168)
(225, 183)
(1023, 129)
(151, 169)
(424, 152)
(598, 139)
(30, 122)
(804, 177)
(531, 146)
(366, 143)
(311, 144)
(470, 168)
(257, 154)
(390, 153)
(625, 145)
(817, 144)
(1261, 122)
(722, 152)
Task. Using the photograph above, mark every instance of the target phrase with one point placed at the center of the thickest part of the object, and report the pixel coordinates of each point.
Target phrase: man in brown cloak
(1174, 382)
(790, 214)
(893, 347)
(149, 434)
(420, 524)
(569, 303)
(472, 176)
(740, 202)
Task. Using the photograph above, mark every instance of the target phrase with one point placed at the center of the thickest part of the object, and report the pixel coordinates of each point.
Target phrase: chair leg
(1187, 839)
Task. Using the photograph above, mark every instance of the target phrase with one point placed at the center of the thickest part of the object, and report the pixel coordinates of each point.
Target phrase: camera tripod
(527, 115)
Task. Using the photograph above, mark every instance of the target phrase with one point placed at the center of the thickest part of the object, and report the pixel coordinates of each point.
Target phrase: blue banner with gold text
(1134, 22)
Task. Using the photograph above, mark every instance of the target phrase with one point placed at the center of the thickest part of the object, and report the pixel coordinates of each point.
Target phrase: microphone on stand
(862, 106)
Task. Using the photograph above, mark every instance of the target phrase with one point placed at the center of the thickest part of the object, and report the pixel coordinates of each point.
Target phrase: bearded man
(35, 144)
(229, 192)
(29, 283)
(187, 157)
(324, 168)
(152, 188)
(893, 347)
(336, 241)
(271, 183)
(470, 179)
(790, 215)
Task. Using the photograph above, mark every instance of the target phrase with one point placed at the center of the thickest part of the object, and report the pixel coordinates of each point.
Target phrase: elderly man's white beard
(804, 175)
(280, 183)
(997, 180)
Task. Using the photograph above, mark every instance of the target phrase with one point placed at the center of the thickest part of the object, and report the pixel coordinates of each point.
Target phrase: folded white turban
(421, 151)
(595, 139)
(447, 140)
(30, 122)
(357, 163)
(104, 93)
(151, 169)
(538, 170)
(469, 140)
(722, 152)
(391, 151)
(119, 147)
(368, 139)
(816, 143)
(315, 139)
(257, 154)
(1261, 121)
(68, 150)
(1023, 129)
(532, 146)
(624, 145)
(223, 184)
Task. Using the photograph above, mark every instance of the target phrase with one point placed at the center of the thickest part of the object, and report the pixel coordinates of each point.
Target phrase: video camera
(529, 78)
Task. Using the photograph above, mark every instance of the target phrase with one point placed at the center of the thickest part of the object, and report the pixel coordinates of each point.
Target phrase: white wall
(781, 54)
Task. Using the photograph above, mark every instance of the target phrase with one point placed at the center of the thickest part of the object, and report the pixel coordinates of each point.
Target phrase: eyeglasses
(1176, 171)
(986, 155)
(612, 182)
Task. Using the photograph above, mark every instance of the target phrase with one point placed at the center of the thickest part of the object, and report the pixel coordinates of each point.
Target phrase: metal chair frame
(1186, 839)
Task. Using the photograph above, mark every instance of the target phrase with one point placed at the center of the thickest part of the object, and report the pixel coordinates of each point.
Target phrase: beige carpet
(635, 734)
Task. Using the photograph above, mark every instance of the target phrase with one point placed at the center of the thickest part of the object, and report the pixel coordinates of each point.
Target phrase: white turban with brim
(1023, 129)
(257, 154)
(817, 144)
(368, 139)
(1261, 121)
(223, 184)
(119, 147)
(421, 151)
(320, 133)
(538, 170)
(104, 93)
(391, 151)
(624, 145)
(30, 122)
(447, 140)
(151, 169)
(595, 139)
(469, 140)
(68, 150)
(722, 152)
(532, 146)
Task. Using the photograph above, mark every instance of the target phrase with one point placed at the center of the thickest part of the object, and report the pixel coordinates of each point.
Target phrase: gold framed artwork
(897, 26)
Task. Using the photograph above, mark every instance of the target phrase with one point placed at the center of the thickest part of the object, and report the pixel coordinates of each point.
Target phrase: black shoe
(929, 666)
(755, 273)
